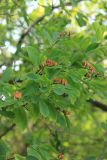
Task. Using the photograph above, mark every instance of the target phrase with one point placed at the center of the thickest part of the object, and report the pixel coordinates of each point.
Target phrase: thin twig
(98, 104)
(10, 158)
(7, 130)
(33, 24)
(28, 30)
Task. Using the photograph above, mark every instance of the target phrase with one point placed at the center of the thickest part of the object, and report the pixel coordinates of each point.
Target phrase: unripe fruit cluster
(91, 70)
(65, 33)
(50, 63)
(60, 81)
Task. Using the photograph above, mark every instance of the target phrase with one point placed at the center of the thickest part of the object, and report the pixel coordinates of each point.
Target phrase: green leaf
(7, 113)
(40, 151)
(35, 111)
(74, 2)
(73, 91)
(62, 3)
(99, 52)
(59, 89)
(20, 117)
(99, 30)
(91, 158)
(104, 125)
(48, 10)
(4, 149)
(34, 55)
(99, 68)
(61, 120)
(76, 57)
(81, 19)
(44, 110)
(33, 152)
(47, 36)
(77, 75)
(53, 112)
(2, 157)
(19, 157)
(31, 158)
(68, 122)
(92, 46)
(7, 74)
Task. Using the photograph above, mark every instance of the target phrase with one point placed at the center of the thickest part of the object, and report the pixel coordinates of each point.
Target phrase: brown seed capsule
(85, 64)
(60, 156)
(67, 113)
(88, 75)
(50, 63)
(18, 95)
(69, 33)
(60, 81)
(62, 34)
(91, 68)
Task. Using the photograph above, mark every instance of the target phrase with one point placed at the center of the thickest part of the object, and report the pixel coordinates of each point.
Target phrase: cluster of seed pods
(91, 73)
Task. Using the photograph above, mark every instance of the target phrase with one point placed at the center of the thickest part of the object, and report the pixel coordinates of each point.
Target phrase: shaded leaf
(6, 75)
(20, 118)
(34, 55)
(44, 108)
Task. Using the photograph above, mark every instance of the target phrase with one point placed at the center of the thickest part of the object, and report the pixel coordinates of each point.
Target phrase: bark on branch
(98, 104)
(27, 31)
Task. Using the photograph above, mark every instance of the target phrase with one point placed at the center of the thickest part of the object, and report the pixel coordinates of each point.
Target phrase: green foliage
(81, 19)
(53, 87)
(6, 75)
(44, 108)
(4, 150)
(18, 157)
(41, 152)
(20, 117)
